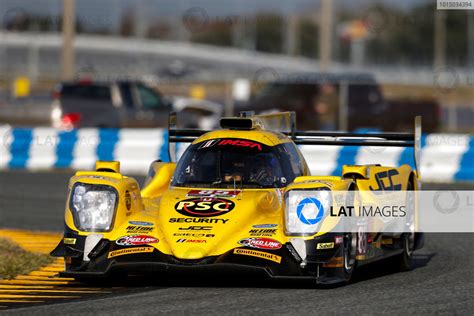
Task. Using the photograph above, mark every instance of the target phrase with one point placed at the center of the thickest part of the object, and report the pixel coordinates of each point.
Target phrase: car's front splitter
(243, 261)
(107, 258)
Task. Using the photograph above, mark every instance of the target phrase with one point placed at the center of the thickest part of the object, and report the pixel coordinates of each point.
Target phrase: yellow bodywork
(157, 201)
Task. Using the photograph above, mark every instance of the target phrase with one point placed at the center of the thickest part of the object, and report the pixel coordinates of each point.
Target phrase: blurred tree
(457, 45)
(269, 33)
(160, 30)
(309, 33)
(218, 32)
(127, 23)
(406, 37)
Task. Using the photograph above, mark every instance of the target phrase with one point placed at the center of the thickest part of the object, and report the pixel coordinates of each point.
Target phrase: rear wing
(412, 140)
(179, 136)
(246, 121)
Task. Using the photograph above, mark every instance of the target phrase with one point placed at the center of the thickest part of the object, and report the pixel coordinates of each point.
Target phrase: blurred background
(347, 65)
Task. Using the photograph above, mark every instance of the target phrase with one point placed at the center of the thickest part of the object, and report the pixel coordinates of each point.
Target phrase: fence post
(343, 105)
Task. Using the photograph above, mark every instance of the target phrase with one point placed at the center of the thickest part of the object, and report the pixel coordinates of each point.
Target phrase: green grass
(15, 261)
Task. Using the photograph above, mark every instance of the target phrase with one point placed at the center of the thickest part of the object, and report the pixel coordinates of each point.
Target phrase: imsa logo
(204, 207)
(195, 241)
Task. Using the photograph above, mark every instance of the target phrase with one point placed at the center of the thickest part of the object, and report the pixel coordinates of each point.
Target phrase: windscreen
(86, 91)
(227, 163)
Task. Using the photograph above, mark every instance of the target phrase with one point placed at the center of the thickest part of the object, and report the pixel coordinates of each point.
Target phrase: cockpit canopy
(232, 162)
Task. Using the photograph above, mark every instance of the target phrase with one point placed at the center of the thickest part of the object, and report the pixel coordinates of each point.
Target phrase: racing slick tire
(403, 261)
(349, 255)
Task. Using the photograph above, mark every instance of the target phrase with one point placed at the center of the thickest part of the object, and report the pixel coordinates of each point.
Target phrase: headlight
(305, 210)
(93, 206)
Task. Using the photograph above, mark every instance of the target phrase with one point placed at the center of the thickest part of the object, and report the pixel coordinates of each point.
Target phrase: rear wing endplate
(179, 136)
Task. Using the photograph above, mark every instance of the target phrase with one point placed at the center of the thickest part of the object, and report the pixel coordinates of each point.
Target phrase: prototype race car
(240, 199)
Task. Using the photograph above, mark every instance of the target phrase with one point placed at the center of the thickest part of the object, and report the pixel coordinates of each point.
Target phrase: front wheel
(403, 261)
(349, 255)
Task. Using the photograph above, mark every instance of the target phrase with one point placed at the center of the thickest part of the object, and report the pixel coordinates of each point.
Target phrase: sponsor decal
(204, 207)
(198, 220)
(239, 143)
(213, 193)
(69, 241)
(136, 240)
(325, 245)
(261, 243)
(128, 200)
(231, 142)
(338, 240)
(260, 232)
(329, 184)
(258, 254)
(265, 226)
(196, 228)
(138, 223)
(381, 186)
(193, 235)
(134, 229)
(208, 144)
(195, 241)
(129, 251)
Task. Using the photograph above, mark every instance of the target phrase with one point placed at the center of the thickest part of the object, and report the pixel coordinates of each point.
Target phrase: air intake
(240, 123)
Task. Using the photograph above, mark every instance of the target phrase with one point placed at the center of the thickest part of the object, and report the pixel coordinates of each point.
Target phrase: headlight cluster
(305, 210)
(93, 206)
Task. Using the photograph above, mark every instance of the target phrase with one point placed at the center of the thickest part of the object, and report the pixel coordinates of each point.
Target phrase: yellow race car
(240, 200)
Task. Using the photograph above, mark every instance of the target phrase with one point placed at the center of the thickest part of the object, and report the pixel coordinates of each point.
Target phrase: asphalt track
(442, 281)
